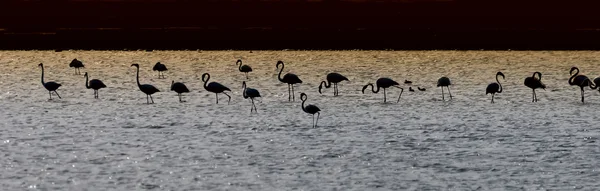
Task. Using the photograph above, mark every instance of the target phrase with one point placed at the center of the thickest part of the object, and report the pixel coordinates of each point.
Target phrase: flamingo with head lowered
(334, 78)
(289, 79)
(384, 83)
(534, 83)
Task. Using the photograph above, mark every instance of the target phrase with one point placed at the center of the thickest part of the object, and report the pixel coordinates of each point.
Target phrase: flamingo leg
(151, 99)
(147, 101)
(493, 97)
(227, 96)
(179, 97)
(289, 92)
(217, 96)
(581, 94)
(246, 75)
(57, 94)
(318, 114)
(253, 105)
(293, 95)
(401, 91)
(534, 99)
(313, 121)
(50, 93)
(448, 87)
(443, 94)
(384, 97)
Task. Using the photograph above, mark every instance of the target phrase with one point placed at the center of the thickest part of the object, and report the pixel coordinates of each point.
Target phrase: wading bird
(215, 87)
(494, 87)
(310, 109)
(250, 93)
(179, 88)
(95, 84)
(534, 83)
(444, 81)
(50, 86)
(161, 68)
(289, 79)
(243, 68)
(76, 64)
(579, 80)
(146, 88)
(384, 83)
(334, 78)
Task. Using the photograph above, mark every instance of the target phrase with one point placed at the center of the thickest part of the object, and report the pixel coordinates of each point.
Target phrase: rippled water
(422, 143)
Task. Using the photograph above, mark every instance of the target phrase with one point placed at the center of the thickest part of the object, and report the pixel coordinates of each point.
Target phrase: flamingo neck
(43, 75)
(499, 84)
(373, 89)
(572, 79)
(240, 65)
(86, 82)
(327, 84)
(244, 91)
(303, 108)
(206, 81)
(137, 76)
(281, 70)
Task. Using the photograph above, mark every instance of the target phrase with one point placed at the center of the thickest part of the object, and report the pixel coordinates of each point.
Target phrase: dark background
(299, 24)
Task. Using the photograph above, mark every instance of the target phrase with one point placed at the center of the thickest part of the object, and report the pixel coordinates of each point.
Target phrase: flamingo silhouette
(215, 87)
(444, 81)
(179, 88)
(95, 84)
(250, 93)
(76, 64)
(50, 86)
(243, 68)
(534, 83)
(160, 68)
(384, 83)
(579, 80)
(494, 87)
(289, 79)
(310, 109)
(146, 88)
(334, 78)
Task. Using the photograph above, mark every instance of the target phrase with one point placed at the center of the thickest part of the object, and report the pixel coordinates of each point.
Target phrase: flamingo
(215, 87)
(310, 109)
(243, 68)
(76, 64)
(334, 78)
(146, 88)
(495, 87)
(160, 68)
(95, 84)
(250, 93)
(534, 83)
(384, 83)
(579, 80)
(444, 81)
(289, 79)
(50, 86)
(179, 88)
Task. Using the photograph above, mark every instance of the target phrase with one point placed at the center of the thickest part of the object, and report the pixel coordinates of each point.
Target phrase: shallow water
(119, 142)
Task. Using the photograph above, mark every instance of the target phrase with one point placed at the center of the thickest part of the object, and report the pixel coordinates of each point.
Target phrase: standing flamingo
(179, 88)
(160, 68)
(76, 64)
(579, 80)
(310, 109)
(384, 83)
(243, 68)
(444, 81)
(289, 79)
(95, 84)
(146, 88)
(334, 78)
(534, 83)
(250, 93)
(215, 87)
(50, 86)
(495, 87)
